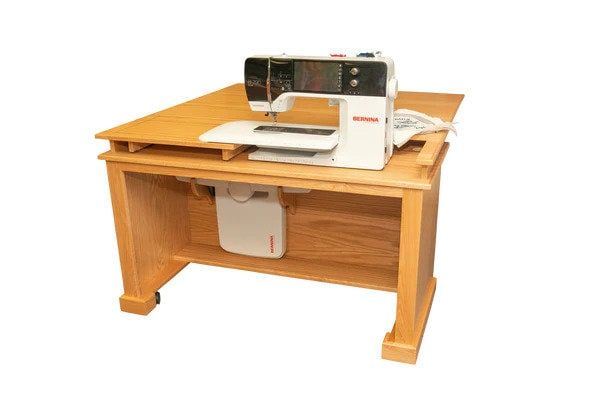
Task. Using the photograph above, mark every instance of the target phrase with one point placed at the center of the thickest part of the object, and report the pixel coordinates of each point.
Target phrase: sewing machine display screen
(317, 76)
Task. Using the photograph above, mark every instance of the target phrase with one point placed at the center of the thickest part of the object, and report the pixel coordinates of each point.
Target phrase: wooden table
(373, 229)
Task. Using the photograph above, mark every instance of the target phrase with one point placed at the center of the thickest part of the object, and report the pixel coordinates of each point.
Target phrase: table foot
(401, 352)
(408, 352)
(137, 305)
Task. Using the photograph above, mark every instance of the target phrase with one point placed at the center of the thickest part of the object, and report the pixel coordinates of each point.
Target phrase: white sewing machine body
(364, 88)
(251, 218)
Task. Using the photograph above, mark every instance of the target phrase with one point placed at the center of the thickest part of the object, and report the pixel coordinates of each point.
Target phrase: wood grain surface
(327, 227)
(182, 124)
(401, 172)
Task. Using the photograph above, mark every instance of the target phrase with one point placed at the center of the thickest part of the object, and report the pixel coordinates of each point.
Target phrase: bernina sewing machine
(364, 88)
(251, 218)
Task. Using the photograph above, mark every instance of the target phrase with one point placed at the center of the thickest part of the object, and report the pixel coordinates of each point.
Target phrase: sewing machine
(364, 88)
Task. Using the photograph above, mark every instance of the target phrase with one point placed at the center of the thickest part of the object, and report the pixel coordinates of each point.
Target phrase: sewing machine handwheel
(157, 297)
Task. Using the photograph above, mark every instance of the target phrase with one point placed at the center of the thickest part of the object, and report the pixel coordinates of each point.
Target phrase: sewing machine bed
(300, 137)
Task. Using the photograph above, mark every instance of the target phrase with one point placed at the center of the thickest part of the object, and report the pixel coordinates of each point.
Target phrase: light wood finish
(182, 124)
(227, 155)
(201, 192)
(117, 146)
(372, 229)
(435, 169)
(331, 272)
(427, 239)
(352, 230)
(151, 221)
(415, 270)
(425, 171)
(133, 146)
(159, 128)
(401, 172)
(407, 352)
(138, 305)
(287, 200)
(313, 182)
(431, 149)
(265, 180)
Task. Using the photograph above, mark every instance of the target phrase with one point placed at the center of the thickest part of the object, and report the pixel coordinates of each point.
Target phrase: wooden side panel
(159, 223)
(408, 352)
(344, 228)
(120, 205)
(408, 268)
(427, 243)
(417, 252)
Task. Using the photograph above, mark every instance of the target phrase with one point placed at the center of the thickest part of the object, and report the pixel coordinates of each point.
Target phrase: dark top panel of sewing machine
(345, 77)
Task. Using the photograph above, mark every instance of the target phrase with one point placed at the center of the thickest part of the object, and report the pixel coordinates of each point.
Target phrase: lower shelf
(324, 271)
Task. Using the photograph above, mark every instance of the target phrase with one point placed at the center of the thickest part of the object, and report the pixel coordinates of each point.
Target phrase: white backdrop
(515, 313)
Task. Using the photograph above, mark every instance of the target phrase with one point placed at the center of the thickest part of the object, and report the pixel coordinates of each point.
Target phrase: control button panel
(364, 78)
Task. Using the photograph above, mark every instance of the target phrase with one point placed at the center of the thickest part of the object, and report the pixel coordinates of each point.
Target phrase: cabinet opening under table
(372, 229)
(344, 238)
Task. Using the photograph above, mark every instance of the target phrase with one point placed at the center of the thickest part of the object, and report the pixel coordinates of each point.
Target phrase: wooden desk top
(182, 124)
(178, 127)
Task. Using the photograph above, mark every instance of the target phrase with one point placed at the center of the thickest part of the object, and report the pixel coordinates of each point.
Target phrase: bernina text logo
(359, 118)
(271, 244)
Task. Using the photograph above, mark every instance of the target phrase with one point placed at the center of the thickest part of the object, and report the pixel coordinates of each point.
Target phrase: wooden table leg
(151, 221)
(416, 284)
